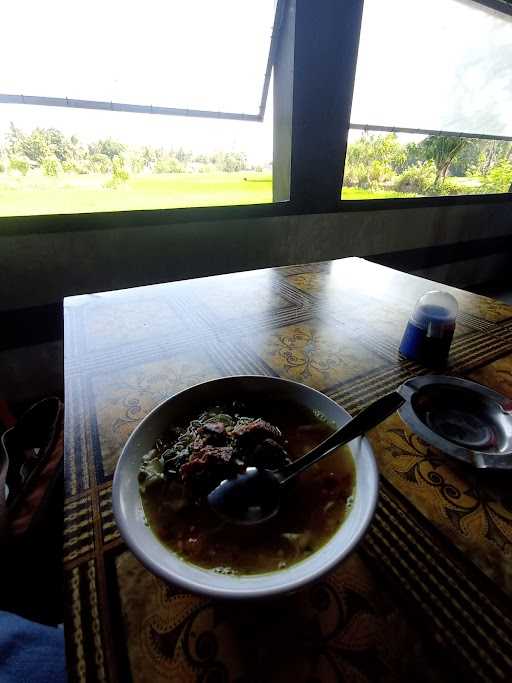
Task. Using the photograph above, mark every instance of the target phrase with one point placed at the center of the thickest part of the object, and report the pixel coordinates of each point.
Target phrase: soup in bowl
(195, 439)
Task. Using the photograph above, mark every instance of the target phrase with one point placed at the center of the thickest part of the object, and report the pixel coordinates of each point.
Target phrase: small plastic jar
(429, 332)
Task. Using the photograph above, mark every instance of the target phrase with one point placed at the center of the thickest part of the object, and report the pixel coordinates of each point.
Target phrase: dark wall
(41, 268)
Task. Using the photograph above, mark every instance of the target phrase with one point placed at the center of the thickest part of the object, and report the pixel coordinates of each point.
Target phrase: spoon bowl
(250, 498)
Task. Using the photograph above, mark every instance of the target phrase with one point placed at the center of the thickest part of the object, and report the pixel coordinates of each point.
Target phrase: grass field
(359, 193)
(68, 193)
(38, 194)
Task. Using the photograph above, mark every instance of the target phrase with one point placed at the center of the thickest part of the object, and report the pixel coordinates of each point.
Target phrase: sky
(420, 64)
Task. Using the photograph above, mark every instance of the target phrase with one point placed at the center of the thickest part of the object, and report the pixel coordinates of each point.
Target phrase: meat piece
(214, 433)
(207, 456)
(254, 431)
(214, 428)
(198, 443)
(257, 444)
(268, 454)
(206, 468)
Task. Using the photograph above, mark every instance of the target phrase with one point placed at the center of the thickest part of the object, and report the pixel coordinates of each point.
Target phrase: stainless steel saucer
(463, 419)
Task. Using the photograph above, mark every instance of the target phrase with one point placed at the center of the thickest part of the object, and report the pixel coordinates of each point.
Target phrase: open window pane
(432, 106)
(195, 54)
(443, 65)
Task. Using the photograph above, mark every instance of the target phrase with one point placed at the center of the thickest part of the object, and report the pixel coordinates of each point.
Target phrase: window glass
(55, 160)
(383, 165)
(432, 104)
(194, 55)
(442, 65)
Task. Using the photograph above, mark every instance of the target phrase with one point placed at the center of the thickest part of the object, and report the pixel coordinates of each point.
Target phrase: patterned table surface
(428, 594)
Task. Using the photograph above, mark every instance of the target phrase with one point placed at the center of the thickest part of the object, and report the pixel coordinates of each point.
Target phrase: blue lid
(435, 310)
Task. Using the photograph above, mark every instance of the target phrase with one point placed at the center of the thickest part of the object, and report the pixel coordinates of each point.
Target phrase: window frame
(325, 41)
(150, 109)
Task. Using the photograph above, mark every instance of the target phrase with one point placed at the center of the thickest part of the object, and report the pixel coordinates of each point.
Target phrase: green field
(69, 193)
(359, 193)
(38, 194)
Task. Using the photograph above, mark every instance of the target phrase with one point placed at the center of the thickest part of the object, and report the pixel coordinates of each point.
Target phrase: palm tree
(442, 149)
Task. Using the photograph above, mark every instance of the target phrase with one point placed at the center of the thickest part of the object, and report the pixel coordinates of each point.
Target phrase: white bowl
(161, 561)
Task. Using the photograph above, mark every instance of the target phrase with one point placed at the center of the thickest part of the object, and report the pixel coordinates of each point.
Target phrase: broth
(313, 507)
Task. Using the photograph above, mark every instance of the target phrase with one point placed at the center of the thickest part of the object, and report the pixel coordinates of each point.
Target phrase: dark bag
(31, 456)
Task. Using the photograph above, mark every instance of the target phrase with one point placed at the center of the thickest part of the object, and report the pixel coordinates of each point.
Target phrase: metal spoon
(254, 496)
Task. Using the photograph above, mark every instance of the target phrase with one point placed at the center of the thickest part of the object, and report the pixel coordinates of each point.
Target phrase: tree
(468, 158)
(79, 166)
(77, 151)
(119, 173)
(137, 163)
(20, 165)
(230, 162)
(414, 154)
(108, 147)
(14, 136)
(100, 163)
(499, 178)
(34, 146)
(482, 156)
(373, 160)
(168, 165)
(418, 178)
(40, 144)
(51, 166)
(60, 145)
(183, 156)
(442, 150)
(385, 149)
(151, 154)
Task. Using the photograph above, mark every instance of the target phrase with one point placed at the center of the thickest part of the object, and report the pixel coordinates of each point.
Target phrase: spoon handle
(371, 416)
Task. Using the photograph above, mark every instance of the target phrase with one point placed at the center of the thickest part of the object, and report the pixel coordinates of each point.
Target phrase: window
(57, 160)
(104, 107)
(106, 68)
(432, 103)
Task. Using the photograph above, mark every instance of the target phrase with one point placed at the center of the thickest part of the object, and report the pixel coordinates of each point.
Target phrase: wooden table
(427, 595)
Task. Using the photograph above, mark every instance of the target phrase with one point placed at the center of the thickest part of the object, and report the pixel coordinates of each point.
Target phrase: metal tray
(463, 419)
